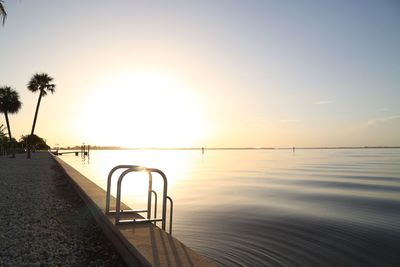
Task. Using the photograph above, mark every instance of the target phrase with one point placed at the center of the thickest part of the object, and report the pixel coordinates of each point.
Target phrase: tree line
(11, 104)
(37, 143)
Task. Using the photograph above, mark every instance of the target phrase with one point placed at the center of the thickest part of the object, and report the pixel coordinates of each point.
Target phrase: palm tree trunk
(9, 134)
(33, 126)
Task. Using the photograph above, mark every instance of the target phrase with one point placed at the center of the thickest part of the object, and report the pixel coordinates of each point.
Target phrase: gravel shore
(43, 222)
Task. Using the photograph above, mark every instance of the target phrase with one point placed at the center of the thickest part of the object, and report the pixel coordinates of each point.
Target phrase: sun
(144, 109)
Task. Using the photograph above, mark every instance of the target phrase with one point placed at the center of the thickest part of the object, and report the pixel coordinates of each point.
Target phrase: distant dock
(84, 151)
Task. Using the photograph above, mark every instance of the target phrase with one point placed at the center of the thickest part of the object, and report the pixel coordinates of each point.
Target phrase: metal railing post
(171, 211)
(149, 195)
(155, 203)
(164, 197)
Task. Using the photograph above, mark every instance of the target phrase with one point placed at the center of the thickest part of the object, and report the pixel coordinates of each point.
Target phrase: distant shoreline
(225, 148)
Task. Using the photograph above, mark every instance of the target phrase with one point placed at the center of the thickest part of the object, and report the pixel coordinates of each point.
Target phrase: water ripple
(278, 208)
(285, 240)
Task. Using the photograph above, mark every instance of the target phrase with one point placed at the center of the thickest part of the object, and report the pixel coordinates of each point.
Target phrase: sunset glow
(143, 109)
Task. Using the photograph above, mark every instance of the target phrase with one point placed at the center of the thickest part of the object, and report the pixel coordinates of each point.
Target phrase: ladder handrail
(150, 188)
(149, 171)
(171, 211)
(108, 195)
(164, 196)
(155, 203)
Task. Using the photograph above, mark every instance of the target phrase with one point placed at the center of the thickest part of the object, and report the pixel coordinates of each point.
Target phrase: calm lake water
(328, 207)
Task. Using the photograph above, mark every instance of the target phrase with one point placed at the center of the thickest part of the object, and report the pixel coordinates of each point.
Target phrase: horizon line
(95, 147)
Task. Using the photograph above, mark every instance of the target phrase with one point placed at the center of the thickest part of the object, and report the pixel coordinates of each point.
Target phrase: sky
(207, 73)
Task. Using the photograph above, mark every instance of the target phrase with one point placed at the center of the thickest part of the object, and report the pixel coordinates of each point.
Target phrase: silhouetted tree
(2, 133)
(36, 142)
(3, 13)
(42, 83)
(9, 104)
(3, 140)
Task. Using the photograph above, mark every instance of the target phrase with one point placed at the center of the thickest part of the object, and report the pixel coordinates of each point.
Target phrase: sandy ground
(43, 222)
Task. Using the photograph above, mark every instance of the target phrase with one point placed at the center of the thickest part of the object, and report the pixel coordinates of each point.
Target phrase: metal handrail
(118, 199)
(149, 195)
(118, 211)
(155, 203)
(171, 211)
(108, 195)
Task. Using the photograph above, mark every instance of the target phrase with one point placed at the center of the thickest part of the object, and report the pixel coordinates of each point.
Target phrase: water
(332, 207)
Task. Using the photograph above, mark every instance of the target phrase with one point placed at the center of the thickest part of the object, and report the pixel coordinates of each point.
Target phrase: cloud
(323, 102)
(383, 120)
(383, 109)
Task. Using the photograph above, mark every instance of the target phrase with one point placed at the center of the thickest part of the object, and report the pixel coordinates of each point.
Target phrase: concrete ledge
(138, 244)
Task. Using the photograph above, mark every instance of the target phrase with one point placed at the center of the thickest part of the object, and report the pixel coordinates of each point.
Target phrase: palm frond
(9, 100)
(3, 13)
(41, 82)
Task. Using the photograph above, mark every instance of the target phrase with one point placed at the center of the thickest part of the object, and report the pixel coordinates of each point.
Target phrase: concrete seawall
(139, 244)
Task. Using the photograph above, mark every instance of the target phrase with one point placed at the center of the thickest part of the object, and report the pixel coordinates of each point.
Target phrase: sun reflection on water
(175, 164)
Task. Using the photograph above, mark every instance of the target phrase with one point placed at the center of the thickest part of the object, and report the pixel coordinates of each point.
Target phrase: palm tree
(39, 82)
(9, 104)
(3, 12)
(3, 137)
(2, 134)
